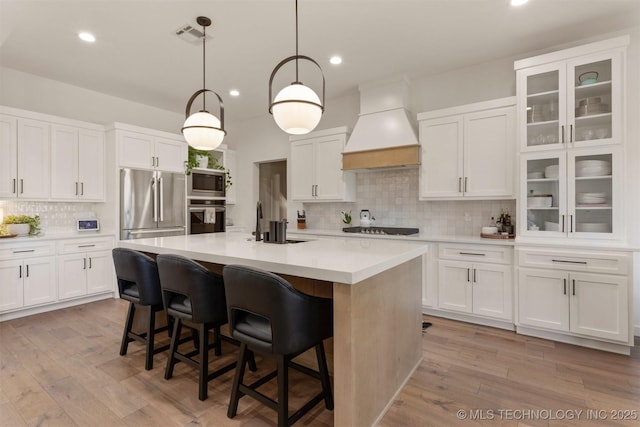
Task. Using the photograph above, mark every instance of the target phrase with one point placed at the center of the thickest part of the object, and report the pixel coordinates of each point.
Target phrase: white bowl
(535, 175)
(551, 226)
(19, 229)
(489, 230)
(592, 227)
(551, 171)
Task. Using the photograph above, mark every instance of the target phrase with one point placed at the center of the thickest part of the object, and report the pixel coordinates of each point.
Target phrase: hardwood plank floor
(62, 368)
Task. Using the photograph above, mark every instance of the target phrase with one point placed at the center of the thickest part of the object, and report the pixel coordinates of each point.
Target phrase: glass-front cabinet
(574, 103)
(572, 193)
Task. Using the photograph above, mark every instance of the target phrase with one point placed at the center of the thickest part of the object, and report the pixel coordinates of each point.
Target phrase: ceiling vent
(191, 34)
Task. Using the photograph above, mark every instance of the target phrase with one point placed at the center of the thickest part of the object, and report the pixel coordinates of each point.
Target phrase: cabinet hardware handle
(471, 253)
(571, 223)
(459, 184)
(84, 263)
(23, 251)
(570, 133)
(76, 188)
(161, 199)
(14, 185)
(86, 246)
(20, 272)
(468, 274)
(564, 285)
(82, 188)
(563, 223)
(21, 186)
(569, 262)
(466, 181)
(27, 270)
(562, 133)
(474, 276)
(89, 262)
(574, 286)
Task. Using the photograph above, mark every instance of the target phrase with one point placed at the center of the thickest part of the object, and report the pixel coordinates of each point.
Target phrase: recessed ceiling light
(335, 60)
(518, 2)
(234, 92)
(88, 37)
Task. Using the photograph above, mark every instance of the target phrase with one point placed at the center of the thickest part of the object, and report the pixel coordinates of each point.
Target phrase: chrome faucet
(258, 218)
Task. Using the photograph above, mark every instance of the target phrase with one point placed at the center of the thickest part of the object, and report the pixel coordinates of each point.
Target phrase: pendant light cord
(204, 74)
(297, 80)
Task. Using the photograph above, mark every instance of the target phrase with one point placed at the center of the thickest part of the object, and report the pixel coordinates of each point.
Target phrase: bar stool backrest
(136, 271)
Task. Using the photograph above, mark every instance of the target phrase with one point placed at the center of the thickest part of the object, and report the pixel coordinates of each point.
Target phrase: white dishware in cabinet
(582, 204)
(571, 98)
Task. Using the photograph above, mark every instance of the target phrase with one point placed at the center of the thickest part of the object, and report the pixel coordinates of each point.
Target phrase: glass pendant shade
(297, 109)
(202, 131)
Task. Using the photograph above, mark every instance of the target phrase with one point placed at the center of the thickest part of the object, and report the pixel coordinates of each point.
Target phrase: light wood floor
(62, 368)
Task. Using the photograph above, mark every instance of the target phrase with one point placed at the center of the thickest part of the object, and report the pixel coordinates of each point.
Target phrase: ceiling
(138, 57)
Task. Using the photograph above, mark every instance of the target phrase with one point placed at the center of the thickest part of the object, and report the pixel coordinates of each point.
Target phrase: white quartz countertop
(346, 260)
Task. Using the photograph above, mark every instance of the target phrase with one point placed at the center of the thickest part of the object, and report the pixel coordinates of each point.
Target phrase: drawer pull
(86, 246)
(27, 270)
(20, 272)
(468, 274)
(569, 262)
(474, 276)
(564, 281)
(471, 253)
(574, 287)
(24, 251)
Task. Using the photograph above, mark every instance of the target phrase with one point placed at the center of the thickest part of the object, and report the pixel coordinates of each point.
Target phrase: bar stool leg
(151, 336)
(203, 368)
(236, 394)
(217, 343)
(324, 376)
(175, 342)
(127, 328)
(283, 392)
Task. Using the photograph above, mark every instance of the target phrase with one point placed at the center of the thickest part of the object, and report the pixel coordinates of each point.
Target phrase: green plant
(346, 217)
(33, 221)
(192, 162)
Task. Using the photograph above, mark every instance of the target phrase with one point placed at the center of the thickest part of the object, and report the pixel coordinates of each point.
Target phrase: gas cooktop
(395, 231)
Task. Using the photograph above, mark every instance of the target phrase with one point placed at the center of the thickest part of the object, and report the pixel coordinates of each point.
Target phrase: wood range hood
(385, 134)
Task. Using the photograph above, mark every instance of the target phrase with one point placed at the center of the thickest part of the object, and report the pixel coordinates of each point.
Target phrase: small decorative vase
(203, 161)
(19, 229)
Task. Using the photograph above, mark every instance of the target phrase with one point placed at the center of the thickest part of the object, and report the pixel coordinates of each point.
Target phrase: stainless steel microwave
(206, 183)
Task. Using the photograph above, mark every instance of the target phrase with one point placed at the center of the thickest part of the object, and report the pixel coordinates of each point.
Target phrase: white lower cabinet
(482, 287)
(85, 267)
(27, 282)
(593, 305)
(578, 294)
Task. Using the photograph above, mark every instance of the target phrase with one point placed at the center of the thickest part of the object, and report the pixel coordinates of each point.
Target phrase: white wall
(33, 93)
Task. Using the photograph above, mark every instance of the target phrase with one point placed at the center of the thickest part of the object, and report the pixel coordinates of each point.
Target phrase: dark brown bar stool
(195, 296)
(268, 316)
(138, 283)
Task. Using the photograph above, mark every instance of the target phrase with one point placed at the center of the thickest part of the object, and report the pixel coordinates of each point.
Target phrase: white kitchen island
(376, 287)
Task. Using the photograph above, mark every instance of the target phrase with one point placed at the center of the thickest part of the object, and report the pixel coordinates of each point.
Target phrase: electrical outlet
(467, 217)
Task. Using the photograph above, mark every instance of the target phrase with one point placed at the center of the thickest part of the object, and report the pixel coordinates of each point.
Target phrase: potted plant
(22, 225)
(194, 158)
(346, 217)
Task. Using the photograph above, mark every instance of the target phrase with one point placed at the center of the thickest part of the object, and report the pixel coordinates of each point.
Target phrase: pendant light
(203, 130)
(296, 108)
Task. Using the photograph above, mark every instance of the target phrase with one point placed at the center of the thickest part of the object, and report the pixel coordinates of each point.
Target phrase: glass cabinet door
(545, 105)
(592, 194)
(594, 101)
(545, 194)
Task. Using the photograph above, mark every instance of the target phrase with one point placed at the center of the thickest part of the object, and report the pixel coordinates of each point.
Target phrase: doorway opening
(273, 191)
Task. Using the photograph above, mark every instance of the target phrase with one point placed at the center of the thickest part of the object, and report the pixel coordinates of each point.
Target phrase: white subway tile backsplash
(392, 198)
(54, 216)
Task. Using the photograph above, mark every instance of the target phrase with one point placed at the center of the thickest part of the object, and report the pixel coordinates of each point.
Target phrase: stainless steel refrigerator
(152, 204)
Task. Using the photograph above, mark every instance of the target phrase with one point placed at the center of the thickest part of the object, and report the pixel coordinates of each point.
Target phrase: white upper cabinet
(468, 151)
(77, 164)
(144, 149)
(24, 171)
(316, 167)
(571, 98)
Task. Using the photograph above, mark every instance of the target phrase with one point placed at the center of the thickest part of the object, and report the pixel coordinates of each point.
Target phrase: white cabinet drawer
(85, 245)
(596, 262)
(21, 250)
(476, 253)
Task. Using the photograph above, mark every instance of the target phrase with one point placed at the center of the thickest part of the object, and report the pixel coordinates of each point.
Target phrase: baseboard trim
(570, 339)
(494, 323)
(23, 312)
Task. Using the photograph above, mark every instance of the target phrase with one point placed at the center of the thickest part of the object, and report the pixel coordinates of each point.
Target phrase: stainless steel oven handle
(217, 208)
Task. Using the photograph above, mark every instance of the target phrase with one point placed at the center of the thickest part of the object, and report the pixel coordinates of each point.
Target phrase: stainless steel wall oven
(206, 216)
